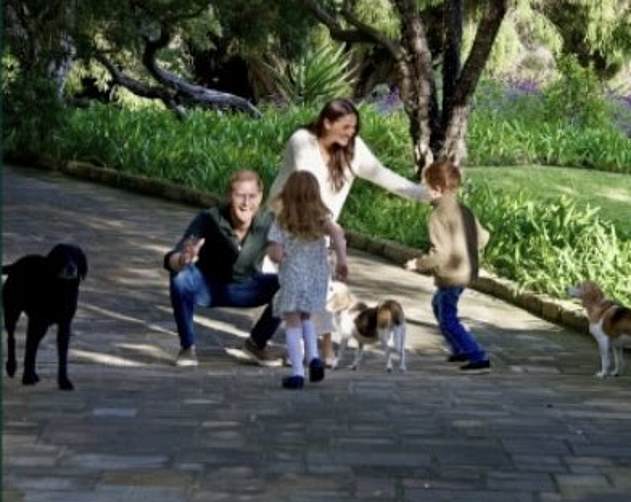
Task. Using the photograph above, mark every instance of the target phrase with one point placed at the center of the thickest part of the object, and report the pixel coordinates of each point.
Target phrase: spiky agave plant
(322, 73)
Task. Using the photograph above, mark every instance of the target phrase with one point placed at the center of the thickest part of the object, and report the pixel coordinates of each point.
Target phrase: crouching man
(217, 263)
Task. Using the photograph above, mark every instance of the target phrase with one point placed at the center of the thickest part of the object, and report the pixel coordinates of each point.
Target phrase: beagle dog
(609, 324)
(383, 323)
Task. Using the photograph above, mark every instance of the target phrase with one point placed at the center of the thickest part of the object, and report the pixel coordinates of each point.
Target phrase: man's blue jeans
(460, 340)
(189, 288)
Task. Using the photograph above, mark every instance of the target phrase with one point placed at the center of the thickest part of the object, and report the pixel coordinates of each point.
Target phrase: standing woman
(331, 149)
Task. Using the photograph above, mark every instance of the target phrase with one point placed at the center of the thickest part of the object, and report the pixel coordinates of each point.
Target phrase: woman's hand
(275, 252)
(341, 272)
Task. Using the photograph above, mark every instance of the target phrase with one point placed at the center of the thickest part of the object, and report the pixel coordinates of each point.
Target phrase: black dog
(46, 288)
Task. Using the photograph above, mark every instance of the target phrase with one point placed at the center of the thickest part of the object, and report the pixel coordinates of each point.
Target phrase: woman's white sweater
(303, 154)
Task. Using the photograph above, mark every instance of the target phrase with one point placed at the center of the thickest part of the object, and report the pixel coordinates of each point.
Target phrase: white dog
(384, 323)
(609, 324)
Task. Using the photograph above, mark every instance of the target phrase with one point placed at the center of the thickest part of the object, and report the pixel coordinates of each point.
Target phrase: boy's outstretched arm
(437, 253)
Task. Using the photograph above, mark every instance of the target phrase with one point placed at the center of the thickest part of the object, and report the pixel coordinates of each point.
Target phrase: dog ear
(360, 306)
(82, 262)
(339, 297)
(366, 322)
(592, 292)
(56, 260)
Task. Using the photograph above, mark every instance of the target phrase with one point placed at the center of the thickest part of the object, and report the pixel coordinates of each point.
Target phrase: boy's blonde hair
(301, 210)
(442, 174)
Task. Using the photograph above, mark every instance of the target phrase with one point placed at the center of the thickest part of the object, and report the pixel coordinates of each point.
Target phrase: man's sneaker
(293, 382)
(316, 370)
(187, 357)
(263, 357)
(477, 367)
(457, 358)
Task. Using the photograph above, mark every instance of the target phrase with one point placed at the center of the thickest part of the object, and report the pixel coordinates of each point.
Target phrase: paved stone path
(539, 428)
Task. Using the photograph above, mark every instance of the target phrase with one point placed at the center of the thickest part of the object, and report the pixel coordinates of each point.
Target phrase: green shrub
(577, 97)
(570, 123)
(523, 141)
(547, 247)
(34, 118)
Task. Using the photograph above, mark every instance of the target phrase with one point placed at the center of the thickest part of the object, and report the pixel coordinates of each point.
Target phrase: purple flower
(516, 87)
(386, 98)
(621, 107)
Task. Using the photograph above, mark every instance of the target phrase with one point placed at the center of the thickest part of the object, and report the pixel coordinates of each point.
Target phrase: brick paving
(539, 428)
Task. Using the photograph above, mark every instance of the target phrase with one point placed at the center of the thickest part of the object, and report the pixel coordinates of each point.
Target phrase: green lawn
(609, 191)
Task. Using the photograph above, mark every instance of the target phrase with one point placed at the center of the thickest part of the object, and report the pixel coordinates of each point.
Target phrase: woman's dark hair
(341, 156)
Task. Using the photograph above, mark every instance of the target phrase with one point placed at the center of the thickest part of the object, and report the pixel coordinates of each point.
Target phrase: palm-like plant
(322, 73)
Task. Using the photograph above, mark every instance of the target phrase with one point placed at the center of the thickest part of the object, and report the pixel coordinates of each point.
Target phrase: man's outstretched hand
(190, 251)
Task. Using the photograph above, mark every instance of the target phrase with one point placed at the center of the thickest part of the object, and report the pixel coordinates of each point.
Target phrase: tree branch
(373, 34)
(140, 89)
(480, 51)
(331, 22)
(194, 92)
(133, 85)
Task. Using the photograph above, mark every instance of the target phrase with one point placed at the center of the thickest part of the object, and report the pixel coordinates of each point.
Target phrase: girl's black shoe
(316, 370)
(293, 382)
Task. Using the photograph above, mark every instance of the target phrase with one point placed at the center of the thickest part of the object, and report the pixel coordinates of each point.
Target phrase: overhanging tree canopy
(435, 131)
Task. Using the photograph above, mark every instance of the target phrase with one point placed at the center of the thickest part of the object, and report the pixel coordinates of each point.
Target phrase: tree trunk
(454, 147)
(59, 67)
(415, 68)
(42, 51)
(452, 29)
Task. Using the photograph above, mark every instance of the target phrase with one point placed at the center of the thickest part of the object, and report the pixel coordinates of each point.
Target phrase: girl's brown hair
(341, 156)
(442, 174)
(302, 212)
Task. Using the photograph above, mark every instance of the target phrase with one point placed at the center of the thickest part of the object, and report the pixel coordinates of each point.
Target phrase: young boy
(456, 236)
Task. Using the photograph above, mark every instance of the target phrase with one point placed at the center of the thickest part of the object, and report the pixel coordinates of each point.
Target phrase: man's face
(245, 200)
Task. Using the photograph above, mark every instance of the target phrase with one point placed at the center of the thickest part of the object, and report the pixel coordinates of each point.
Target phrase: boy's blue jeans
(460, 340)
(189, 288)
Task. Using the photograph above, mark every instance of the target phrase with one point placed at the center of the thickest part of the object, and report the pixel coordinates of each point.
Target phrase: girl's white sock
(293, 339)
(311, 340)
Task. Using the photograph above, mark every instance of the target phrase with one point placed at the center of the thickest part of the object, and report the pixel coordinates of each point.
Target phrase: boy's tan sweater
(455, 236)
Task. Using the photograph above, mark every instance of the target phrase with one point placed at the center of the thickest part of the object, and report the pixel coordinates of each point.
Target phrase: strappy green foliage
(322, 73)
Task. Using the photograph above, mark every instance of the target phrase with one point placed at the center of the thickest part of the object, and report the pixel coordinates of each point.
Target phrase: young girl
(298, 244)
